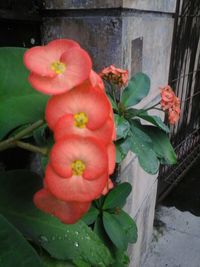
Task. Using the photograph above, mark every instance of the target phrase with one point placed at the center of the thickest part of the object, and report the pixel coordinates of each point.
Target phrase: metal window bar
(184, 77)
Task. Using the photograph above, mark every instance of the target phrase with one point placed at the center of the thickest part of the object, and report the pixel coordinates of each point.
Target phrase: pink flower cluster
(115, 75)
(170, 103)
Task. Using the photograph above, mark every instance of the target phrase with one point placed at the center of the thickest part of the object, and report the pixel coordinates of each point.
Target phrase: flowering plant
(81, 128)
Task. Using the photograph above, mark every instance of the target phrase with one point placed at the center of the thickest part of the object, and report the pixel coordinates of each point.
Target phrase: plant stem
(152, 107)
(32, 148)
(10, 141)
(113, 93)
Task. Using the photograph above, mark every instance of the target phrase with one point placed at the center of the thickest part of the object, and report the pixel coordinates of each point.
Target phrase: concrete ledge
(166, 6)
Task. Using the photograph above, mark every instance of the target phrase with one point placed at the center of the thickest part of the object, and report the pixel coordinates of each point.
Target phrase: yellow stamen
(58, 67)
(80, 120)
(78, 167)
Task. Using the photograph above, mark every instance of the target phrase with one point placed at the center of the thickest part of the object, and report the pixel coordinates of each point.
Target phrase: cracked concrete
(176, 240)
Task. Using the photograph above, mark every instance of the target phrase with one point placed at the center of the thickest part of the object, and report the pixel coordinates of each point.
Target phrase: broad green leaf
(119, 155)
(121, 258)
(20, 103)
(117, 196)
(90, 216)
(100, 231)
(14, 249)
(142, 147)
(64, 242)
(125, 145)
(122, 127)
(161, 145)
(128, 225)
(48, 261)
(155, 120)
(114, 231)
(80, 263)
(136, 90)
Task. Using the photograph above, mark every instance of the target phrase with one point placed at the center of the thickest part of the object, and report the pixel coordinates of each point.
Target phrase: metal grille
(185, 79)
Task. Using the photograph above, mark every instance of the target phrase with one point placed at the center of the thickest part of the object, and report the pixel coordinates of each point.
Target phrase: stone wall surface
(139, 41)
(152, 5)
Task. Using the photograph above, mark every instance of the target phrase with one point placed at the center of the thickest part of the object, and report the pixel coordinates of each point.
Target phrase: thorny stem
(32, 148)
(11, 142)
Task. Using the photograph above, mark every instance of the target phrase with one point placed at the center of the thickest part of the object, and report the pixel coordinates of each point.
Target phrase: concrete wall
(136, 36)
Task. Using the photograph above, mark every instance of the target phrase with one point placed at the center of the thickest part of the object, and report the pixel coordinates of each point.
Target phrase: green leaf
(155, 120)
(136, 90)
(20, 103)
(64, 242)
(90, 216)
(80, 263)
(122, 127)
(14, 249)
(125, 145)
(142, 147)
(161, 145)
(119, 155)
(114, 231)
(121, 259)
(128, 225)
(50, 262)
(117, 196)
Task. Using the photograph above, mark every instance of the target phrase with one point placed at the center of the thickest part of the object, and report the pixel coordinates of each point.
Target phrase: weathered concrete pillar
(133, 34)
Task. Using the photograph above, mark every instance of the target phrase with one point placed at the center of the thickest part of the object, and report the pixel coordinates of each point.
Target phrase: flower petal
(78, 66)
(75, 188)
(111, 157)
(65, 127)
(38, 59)
(67, 212)
(88, 149)
(84, 98)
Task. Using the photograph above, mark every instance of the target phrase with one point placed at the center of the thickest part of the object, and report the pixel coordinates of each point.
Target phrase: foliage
(30, 237)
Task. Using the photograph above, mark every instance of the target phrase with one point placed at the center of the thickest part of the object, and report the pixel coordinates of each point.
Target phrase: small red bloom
(79, 156)
(74, 188)
(167, 97)
(58, 66)
(85, 99)
(115, 75)
(173, 116)
(171, 103)
(67, 212)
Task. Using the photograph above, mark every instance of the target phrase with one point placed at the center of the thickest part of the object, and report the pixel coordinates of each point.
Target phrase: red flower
(173, 116)
(171, 103)
(58, 66)
(115, 75)
(67, 125)
(89, 106)
(111, 157)
(167, 97)
(67, 212)
(74, 188)
(96, 80)
(78, 156)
